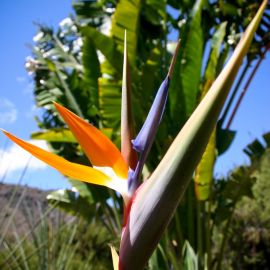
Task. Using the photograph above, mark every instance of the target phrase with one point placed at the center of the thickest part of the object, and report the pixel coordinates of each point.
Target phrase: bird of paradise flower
(108, 165)
(145, 215)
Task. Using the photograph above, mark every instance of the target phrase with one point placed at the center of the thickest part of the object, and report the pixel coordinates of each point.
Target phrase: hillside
(22, 207)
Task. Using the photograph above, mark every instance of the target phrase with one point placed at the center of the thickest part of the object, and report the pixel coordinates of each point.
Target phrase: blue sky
(17, 106)
(16, 99)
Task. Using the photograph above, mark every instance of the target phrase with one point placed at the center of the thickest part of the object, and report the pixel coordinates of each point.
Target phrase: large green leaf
(150, 79)
(204, 172)
(126, 17)
(211, 67)
(55, 135)
(110, 102)
(185, 82)
(106, 45)
(91, 71)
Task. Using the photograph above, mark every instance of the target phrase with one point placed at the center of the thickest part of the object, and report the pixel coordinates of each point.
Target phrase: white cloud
(15, 158)
(8, 112)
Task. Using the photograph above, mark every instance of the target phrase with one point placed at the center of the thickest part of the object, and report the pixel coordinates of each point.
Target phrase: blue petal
(145, 138)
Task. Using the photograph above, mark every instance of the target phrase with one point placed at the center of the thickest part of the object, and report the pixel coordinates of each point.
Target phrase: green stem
(115, 212)
(170, 253)
(178, 230)
(200, 252)
(190, 215)
(208, 232)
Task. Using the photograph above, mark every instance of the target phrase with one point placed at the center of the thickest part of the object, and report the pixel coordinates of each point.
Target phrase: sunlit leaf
(55, 135)
(106, 45)
(126, 17)
(110, 102)
(204, 172)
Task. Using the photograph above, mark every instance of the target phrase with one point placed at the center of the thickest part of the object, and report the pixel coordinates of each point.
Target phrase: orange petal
(98, 148)
(73, 170)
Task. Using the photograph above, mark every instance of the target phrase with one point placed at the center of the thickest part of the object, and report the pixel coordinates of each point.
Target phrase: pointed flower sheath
(144, 140)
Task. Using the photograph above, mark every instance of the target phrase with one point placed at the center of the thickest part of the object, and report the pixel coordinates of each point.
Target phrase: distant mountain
(22, 208)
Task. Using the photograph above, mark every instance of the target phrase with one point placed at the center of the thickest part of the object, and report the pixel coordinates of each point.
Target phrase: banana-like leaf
(211, 68)
(204, 172)
(106, 45)
(155, 10)
(55, 135)
(110, 102)
(185, 84)
(156, 200)
(150, 81)
(149, 78)
(126, 17)
(91, 69)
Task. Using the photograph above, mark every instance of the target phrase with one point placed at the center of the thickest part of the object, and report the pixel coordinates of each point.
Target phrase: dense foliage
(80, 66)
